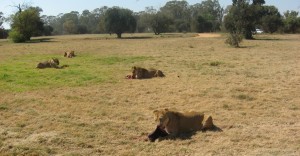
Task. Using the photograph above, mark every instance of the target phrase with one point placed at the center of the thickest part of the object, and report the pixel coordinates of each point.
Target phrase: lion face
(69, 54)
(138, 73)
(162, 118)
(54, 60)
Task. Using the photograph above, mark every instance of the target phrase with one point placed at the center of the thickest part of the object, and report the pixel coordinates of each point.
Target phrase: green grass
(20, 73)
(3, 107)
(215, 63)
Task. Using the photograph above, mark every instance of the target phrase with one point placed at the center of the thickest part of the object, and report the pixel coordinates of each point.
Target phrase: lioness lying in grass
(142, 73)
(175, 123)
(69, 54)
(52, 63)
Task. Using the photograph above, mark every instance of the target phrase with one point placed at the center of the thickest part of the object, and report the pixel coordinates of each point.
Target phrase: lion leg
(208, 124)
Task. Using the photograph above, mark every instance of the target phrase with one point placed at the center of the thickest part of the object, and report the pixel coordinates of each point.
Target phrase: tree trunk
(248, 34)
(119, 35)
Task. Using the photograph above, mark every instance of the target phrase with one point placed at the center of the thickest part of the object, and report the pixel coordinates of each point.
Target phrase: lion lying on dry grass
(142, 73)
(52, 63)
(175, 123)
(69, 54)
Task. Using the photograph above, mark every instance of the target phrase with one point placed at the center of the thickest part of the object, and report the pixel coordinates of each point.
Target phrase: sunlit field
(89, 108)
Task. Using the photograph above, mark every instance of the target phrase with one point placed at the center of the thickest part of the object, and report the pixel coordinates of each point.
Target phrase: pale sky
(54, 7)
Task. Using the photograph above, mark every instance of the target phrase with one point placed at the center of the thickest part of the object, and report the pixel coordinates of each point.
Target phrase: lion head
(139, 73)
(163, 117)
(54, 60)
(69, 54)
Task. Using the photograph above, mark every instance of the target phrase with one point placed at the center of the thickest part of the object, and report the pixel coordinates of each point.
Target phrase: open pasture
(89, 108)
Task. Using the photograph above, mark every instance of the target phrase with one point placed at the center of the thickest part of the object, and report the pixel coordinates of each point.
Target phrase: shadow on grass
(136, 37)
(189, 135)
(242, 47)
(38, 40)
(269, 39)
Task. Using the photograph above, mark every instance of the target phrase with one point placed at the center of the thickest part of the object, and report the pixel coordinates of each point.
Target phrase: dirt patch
(208, 35)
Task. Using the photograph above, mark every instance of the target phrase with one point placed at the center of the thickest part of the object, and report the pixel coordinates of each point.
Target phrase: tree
(118, 20)
(26, 24)
(1, 19)
(234, 27)
(3, 32)
(210, 11)
(144, 19)
(48, 30)
(89, 22)
(70, 22)
(204, 25)
(179, 13)
(271, 20)
(244, 16)
(99, 19)
(291, 21)
(70, 27)
(160, 23)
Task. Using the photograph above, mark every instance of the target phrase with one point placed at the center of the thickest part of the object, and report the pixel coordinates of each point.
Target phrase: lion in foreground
(175, 123)
(52, 63)
(142, 73)
(69, 54)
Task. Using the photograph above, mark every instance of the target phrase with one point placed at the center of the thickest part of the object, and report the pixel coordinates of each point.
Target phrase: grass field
(89, 108)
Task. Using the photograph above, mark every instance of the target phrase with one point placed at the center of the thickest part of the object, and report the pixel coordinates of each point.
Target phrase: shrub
(16, 36)
(233, 39)
(215, 63)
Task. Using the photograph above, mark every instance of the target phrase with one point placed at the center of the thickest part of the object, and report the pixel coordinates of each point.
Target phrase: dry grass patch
(251, 92)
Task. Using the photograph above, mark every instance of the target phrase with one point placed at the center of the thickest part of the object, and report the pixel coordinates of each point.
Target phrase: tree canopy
(291, 22)
(118, 21)
(244, 16)
(160, 23)
(25, 24)
(271, 19)
(1, 19)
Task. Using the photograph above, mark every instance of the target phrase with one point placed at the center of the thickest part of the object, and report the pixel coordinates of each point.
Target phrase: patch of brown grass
(251, 92)
(209, 35)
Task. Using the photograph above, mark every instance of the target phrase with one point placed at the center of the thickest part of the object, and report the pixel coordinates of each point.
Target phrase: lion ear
(166, 109)
(155, 111)
(134, 67)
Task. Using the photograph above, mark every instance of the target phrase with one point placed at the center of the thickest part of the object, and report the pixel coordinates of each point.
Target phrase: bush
(234, 39)
(16, 36)
(3, 33)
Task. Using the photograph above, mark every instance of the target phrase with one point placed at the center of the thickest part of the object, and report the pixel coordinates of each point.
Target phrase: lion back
(155, 73)
(190, 121)
(52, 63)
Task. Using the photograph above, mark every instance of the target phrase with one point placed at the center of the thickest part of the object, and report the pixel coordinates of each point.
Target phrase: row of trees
(175, 16)
(242, 17)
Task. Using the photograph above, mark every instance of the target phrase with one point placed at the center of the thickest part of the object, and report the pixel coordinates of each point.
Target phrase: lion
(52, 63)
(142, 73)
(69, 54)
(175, 123)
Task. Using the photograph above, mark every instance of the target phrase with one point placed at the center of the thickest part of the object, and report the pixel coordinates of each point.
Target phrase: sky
(55, 7)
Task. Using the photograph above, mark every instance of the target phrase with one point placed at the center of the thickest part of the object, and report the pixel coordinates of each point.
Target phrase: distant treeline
(174, 16)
